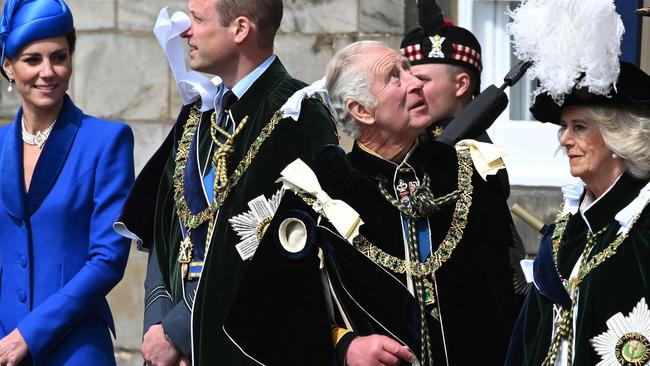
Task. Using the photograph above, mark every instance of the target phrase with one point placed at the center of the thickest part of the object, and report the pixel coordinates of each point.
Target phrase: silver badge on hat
(436, 46)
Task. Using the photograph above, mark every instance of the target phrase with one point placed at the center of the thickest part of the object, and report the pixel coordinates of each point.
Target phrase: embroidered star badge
(251, 225)
(627, 339)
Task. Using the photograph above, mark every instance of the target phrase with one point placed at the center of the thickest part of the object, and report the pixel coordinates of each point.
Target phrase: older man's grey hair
(626, 131)
(349, 78)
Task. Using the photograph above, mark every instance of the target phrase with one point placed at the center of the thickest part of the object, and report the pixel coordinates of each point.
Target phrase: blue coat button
(21, 296)
(22, 261)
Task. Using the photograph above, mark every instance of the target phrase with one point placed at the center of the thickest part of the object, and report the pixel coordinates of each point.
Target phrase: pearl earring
(10, 88)
(614, 156)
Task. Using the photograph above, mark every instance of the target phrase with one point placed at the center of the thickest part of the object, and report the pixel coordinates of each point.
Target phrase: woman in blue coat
(63, 178)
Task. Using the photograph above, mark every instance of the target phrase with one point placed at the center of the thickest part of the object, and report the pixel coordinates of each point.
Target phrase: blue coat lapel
(54, 154)
(547, 279)
(11, 171)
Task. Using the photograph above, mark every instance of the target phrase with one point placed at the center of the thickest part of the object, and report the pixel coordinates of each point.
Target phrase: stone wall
(120, 73)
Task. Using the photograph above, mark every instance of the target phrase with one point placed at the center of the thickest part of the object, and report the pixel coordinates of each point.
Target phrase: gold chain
(451, 240)
(565, 322)
(564, 325)
(595, 261)
(445, 249)
(189, 220)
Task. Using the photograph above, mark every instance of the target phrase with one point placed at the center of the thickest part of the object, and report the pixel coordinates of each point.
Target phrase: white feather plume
(566, 39)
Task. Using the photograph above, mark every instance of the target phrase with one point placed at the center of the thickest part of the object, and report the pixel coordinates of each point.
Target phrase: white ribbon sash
(298, 177)
(293, 105)
(191, 84)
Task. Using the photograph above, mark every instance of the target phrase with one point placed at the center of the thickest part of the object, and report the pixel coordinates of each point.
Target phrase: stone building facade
(120, 73)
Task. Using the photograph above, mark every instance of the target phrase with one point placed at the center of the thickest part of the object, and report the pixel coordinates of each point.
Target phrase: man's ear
(360, 112)
(463, 84)
(243, 27)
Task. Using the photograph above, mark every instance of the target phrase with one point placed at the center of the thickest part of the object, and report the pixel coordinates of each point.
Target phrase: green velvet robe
(224, 268)
(474, 288)
(616, 285)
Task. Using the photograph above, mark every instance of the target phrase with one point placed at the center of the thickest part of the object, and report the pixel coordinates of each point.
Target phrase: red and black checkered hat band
(467, 54)
(449, 45)
(413, 52)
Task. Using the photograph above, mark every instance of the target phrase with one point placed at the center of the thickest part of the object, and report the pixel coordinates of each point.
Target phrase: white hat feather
(571, 43)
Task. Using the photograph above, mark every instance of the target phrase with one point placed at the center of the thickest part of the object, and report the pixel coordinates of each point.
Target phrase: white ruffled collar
(573, 193)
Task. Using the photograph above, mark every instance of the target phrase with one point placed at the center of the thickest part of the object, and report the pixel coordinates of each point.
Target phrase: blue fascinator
(25, 21)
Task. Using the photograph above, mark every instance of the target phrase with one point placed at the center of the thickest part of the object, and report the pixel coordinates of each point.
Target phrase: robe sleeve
(159, 308)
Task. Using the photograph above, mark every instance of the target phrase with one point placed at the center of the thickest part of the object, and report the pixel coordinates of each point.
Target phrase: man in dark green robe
(434, 270)
(209, 168)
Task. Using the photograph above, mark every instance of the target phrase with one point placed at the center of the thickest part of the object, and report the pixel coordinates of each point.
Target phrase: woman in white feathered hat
(588, 305)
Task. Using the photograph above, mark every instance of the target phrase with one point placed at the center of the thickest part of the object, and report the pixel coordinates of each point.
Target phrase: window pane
(520, 96)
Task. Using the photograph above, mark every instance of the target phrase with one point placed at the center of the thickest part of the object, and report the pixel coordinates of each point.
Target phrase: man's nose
(414, 82)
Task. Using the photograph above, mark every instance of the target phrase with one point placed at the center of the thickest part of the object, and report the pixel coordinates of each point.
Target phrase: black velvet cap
(632, 87)
(438, 41)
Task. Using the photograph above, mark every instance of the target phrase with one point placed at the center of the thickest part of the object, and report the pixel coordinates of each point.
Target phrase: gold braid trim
(564, 324)
(445, 249)
(453, 237)
(189, 220)
(220, 157)
(250, 156)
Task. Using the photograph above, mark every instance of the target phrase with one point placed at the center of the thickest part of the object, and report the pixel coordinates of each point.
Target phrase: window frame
(535, 158)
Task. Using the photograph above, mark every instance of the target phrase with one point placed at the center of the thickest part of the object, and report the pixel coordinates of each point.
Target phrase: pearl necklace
(39, 138)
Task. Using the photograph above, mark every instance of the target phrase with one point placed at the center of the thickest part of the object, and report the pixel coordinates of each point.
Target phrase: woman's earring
(614, 156)
(11, 86)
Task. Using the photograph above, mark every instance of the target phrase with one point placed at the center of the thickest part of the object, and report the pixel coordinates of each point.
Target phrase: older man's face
(400, 104)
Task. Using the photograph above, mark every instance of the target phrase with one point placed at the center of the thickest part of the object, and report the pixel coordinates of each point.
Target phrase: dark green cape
(615, 286)
(150, 211)
(475, 287)
(224, 268)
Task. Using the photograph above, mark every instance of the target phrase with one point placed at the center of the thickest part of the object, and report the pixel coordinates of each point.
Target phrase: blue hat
(25, 21)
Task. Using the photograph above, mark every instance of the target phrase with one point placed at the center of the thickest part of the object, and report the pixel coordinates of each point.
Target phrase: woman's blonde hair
(626, 131)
